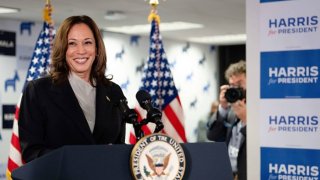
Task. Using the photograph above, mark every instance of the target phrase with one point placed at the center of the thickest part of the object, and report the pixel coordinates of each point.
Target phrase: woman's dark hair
(59, 69)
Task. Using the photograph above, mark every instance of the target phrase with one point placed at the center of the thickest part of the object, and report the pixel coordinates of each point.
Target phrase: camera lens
(234, 94)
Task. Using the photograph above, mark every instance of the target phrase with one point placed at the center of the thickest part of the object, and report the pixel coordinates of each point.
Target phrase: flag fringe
(8, 174)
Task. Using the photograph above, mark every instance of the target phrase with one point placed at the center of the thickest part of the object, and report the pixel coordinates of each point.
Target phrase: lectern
(203, 161)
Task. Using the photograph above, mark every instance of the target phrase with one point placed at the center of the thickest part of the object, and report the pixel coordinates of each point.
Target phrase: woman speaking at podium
(75, 103)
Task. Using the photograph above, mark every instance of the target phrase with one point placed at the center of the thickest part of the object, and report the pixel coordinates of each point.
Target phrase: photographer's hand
(222, 100)
(240, 109)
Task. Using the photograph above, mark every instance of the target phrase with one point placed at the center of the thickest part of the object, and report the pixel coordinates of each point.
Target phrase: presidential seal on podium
(157, 157)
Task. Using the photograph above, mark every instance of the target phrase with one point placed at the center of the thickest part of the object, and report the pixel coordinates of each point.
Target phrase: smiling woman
(77, 37)
(69, 106)
(81, 50)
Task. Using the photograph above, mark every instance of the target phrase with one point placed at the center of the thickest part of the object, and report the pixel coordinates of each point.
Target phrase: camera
(234, 94)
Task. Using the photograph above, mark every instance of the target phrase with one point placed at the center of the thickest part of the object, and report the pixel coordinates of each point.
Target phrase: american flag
(38, 67)
(158, 81)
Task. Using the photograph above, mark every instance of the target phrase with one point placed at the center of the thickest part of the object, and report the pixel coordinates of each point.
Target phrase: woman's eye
(71, 43)
(88, 42)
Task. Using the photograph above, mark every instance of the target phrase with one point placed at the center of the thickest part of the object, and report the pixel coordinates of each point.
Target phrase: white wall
(253, 90)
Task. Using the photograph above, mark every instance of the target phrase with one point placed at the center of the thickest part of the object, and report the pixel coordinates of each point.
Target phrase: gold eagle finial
(154, 13)
(47, 12)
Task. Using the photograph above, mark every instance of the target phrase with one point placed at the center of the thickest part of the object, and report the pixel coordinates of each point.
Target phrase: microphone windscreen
(143, 96)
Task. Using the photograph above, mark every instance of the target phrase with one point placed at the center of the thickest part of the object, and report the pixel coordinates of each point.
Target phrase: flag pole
(47, 12)
(153, 16)
(154, 12)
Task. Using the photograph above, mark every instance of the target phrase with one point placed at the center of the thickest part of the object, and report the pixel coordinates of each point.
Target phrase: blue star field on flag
(40, 60)
(157, 77)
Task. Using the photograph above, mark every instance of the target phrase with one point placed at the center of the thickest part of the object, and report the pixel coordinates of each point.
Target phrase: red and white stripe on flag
(172, 119)
(15, 157)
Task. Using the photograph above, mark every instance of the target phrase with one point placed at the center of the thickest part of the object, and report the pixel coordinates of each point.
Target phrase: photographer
(228, 124)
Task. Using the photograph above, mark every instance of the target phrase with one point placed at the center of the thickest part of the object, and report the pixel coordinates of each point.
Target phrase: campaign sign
(290, 25)
(291, 123)
(266, 1)
(290, 74)
(7, 43)
(289, 164)
(8, 116)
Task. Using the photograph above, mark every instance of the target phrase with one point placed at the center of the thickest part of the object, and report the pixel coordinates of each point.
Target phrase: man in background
(201, 130)
(228, 124)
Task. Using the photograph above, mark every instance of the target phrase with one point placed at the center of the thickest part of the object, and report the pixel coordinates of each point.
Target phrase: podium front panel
(203, 161)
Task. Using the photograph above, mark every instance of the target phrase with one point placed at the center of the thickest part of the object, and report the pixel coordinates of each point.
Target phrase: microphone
(130, 117)
(153, 114)
(144, 100)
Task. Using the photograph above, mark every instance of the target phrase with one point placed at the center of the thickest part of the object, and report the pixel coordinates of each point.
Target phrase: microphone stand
(159, 127)
(138, 125)
(137, 128)
(154, 115)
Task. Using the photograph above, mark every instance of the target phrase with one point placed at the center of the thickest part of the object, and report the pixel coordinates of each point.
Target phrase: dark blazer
(220, 130)
(51, 117)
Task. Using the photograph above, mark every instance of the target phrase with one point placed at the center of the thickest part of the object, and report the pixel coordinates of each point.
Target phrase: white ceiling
(219, 17)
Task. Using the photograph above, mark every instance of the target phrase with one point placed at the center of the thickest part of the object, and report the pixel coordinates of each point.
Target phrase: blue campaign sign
(290, 74)
(285, 163)
(267, 1)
